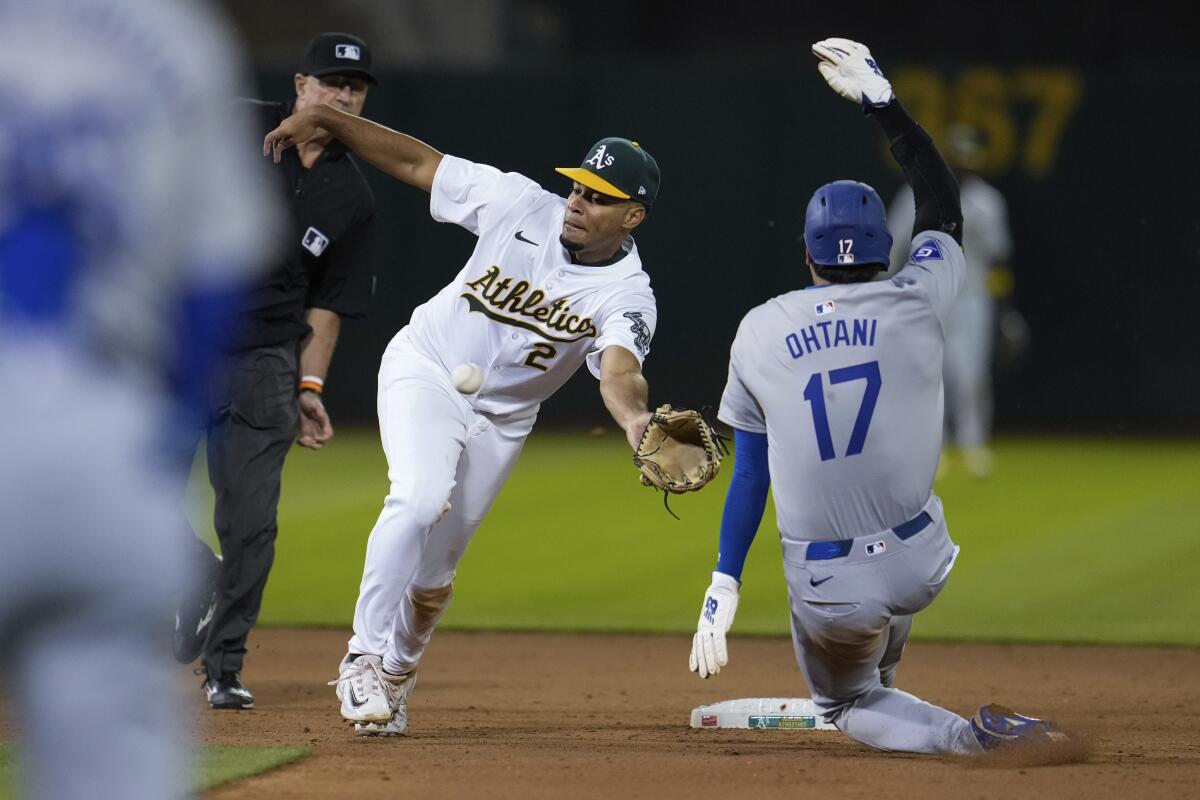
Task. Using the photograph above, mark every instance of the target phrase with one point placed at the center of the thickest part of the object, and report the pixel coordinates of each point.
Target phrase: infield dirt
(560, 715)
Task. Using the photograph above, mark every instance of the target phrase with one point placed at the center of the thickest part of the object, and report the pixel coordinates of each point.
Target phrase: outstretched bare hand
(296, 129)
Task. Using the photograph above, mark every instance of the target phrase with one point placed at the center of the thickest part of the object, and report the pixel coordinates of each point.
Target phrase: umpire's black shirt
(324, 258)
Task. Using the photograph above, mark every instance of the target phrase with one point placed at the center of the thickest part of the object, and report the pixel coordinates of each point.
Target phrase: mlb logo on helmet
(350, 51)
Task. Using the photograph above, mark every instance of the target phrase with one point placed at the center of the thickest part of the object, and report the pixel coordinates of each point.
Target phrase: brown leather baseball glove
(679, 451)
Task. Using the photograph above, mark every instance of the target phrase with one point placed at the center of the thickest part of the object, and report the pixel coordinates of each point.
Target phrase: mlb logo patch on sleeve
(314, 241)
(929, 249)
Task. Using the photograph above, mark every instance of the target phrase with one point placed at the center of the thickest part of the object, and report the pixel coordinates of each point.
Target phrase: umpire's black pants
(253, 421)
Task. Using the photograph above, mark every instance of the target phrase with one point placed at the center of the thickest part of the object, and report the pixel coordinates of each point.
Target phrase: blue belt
(836, 548)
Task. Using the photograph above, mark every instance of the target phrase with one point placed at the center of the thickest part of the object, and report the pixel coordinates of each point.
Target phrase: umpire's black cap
(337, 54)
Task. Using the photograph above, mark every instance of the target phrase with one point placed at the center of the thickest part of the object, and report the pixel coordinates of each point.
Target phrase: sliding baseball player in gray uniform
(835, 397)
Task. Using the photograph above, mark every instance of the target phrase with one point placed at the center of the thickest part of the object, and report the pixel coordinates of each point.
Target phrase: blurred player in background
(835, 397)
(270, 386)
(126, 224)
(987, 243)
(553, 283)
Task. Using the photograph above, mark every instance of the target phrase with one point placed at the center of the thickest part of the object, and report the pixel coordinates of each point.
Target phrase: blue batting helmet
(844, 226)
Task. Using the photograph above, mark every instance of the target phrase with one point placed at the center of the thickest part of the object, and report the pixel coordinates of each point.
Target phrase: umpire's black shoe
(227, 692)
(194, 616)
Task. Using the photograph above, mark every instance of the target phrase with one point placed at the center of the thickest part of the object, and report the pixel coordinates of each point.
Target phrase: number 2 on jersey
(542, 351)
(814, 393)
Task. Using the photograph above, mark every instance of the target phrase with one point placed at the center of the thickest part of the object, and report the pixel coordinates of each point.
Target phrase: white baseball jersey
(520, 309)
(846, 382)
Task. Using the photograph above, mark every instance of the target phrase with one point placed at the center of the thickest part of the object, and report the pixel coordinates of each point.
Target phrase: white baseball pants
(439, 450)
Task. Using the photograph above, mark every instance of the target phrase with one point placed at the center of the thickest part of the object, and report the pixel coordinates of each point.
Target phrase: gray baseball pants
(851, 615)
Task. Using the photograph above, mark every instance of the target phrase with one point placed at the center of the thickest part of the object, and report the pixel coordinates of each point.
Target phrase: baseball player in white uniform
(835, 397)
(126, 219)
(553, 283)
(987, 245)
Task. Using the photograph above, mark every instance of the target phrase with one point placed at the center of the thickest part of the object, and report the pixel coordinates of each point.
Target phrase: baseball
(467, 378)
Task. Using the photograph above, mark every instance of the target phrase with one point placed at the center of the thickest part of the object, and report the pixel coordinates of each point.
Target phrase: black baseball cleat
(227, 691)
(194, 616)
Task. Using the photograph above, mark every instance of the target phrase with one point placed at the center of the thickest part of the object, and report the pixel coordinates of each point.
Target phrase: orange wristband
(312, 383)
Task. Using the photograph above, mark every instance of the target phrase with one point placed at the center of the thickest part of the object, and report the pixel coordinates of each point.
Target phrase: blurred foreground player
(116, 255)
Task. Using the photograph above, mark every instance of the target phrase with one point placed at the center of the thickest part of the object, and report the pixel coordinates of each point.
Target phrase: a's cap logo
(314, 241)
(600, 159)
(348, 51)
(825, 308)
(926, 251)
(641, 190)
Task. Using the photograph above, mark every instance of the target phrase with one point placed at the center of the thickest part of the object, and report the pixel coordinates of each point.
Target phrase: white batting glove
(848, 67)
(709, 650)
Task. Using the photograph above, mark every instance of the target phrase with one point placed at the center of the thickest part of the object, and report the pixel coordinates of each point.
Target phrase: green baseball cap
(618, 168)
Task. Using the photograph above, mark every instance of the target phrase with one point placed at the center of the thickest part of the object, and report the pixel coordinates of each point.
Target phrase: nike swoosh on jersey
(520, 237)
(814, 582)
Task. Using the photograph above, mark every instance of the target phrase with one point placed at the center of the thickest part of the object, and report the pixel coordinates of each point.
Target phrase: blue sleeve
(205, 322)
(745, 502)
(202, 328)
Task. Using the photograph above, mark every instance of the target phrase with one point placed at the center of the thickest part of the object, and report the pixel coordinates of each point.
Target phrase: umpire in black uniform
(269, 392)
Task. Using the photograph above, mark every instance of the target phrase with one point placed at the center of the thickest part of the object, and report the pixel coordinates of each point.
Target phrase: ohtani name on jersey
(514, 304)
(834, 333)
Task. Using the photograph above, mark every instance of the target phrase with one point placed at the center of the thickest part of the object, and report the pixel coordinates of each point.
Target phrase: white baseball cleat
(398, 688)
(396, 726)
(362, 689)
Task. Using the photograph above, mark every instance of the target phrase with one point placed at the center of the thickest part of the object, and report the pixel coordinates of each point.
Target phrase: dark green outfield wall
(1099, 166)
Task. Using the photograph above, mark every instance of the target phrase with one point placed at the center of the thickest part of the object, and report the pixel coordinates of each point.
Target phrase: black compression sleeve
(935, 190)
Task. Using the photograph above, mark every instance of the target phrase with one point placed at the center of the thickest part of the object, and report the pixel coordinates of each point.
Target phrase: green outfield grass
(1071, 540)
(215, 765)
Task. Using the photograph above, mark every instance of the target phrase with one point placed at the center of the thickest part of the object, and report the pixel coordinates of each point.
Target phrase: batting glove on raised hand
(709, 650)
(848, 67)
